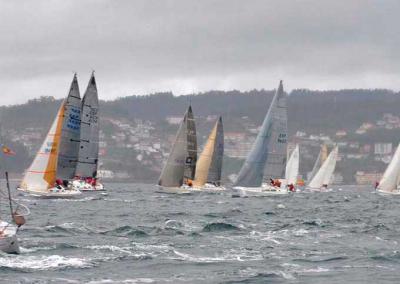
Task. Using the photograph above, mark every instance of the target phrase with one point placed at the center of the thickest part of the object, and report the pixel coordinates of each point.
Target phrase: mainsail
(268, 153)
(41, 175)
(183, 152)
(292, 167)
(391, 177)
(323, 154)
(325, 173)
(209, 165)
(191, 158)
(70, 134)
(89, 139)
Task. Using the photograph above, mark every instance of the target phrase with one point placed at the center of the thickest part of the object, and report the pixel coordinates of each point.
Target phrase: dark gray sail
(191, 158)
(89, 143)
(70, 134)
(269, 145)
(215, 171)
(172, 173)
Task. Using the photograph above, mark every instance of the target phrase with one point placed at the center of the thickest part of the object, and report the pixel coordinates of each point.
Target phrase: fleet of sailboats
(66, 163)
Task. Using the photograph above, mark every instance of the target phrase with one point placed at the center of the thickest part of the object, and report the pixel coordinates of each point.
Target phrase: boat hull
(394, 192)
(87, 187)
(208, 187)
(9, 241)
(175, 190)
(53, 193)
(264, 190)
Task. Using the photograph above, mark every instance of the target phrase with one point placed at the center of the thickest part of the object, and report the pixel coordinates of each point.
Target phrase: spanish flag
(7, 151)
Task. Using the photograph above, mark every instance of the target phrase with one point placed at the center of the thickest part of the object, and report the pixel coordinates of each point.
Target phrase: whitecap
(43, 262)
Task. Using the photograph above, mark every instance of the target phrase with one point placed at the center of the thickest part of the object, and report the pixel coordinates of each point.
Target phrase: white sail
(292, 167)
(41, 175)
(390, 179)
(325, 173)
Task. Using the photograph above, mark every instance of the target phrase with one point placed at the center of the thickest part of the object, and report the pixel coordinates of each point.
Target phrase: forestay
(89, 140)
(268, 152)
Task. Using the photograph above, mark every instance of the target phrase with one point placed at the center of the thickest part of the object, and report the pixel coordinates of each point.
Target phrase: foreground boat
(267, 158)
(209, 166)
(42, 177)
(390, 182)
(88, 156)
(8, 238)
(324, 175)
(8, 230)
(178, 172)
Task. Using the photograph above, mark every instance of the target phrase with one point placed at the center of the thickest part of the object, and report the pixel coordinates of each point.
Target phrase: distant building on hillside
(367, 178)
(382, 148)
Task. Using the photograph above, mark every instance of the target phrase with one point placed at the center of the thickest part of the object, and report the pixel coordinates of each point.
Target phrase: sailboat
(179, 170)
(324, 175)
(322, 156)
(53, 166)
(209, 166)
(8, 230)
(88, 157)
(390, 182)
(267, 158)
(292, 169)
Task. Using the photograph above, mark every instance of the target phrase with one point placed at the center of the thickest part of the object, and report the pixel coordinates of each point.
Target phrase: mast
(70, 134)
(89, 138)
(191, 158)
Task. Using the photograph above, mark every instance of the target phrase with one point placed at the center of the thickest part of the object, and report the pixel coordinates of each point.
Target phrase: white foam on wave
(315, 270)
(128, 281)
(43, 262)
(35, 249)
(227, 257)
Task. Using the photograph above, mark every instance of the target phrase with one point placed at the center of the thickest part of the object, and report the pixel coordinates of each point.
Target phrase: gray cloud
(184, 46)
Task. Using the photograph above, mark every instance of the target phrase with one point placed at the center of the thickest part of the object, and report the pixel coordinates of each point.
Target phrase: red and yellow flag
(7, 151)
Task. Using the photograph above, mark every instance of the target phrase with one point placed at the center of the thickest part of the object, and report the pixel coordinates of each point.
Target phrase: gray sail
(70, 134)
(269, 149)
(191, 158)
(172, 173)
(215, 171)
(89, 142)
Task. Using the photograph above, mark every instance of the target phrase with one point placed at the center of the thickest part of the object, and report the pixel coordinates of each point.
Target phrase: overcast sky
(140, 47)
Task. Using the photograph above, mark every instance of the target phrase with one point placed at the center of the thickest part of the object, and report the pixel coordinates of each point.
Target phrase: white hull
(84, 186)
(53, 193)
(8, 241)
(208, 187)
(383, 192)
(323, 189)
(175, 190)
(264, 190)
